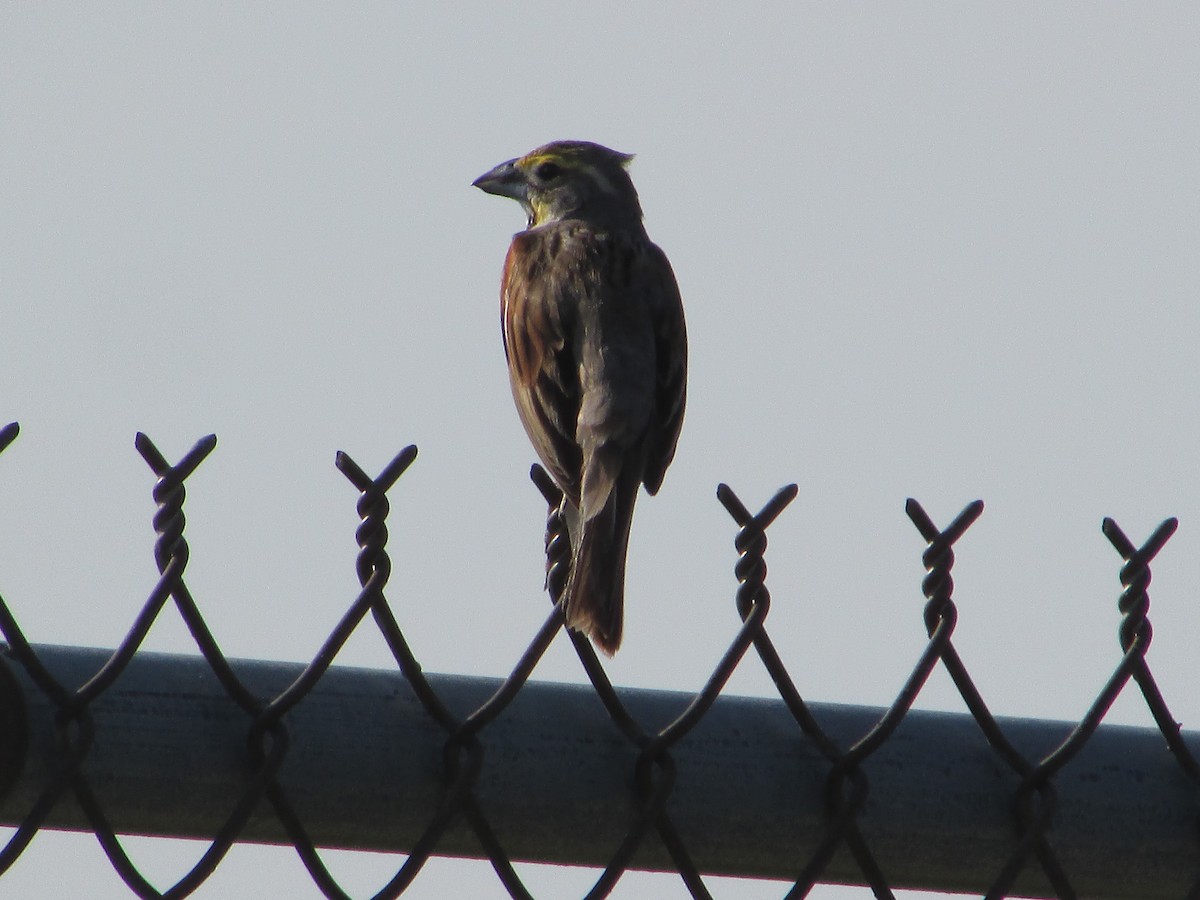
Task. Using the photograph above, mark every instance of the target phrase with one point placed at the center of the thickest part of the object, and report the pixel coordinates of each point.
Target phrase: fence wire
(653, 777)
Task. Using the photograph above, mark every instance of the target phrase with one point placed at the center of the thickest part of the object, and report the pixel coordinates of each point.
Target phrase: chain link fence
(127, 742)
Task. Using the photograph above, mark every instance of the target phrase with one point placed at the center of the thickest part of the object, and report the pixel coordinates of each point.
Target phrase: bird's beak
(506, 180)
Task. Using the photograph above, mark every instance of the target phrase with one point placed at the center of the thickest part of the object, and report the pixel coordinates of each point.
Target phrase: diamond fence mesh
(126, 742)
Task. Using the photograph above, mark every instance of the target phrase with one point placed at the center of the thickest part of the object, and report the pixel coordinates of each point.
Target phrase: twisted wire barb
(753, 602)
(940, 617)
(373, 568)
(75, 725)
(1135, 632)
(651, 794)
(171, 555)
(1035, 801)
(654, 768)
(463, 752)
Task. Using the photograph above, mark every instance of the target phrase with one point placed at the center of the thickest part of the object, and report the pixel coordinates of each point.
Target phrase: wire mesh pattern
(653, 775)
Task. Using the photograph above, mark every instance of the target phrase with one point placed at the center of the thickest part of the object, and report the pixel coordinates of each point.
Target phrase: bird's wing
(545, 383)
(670, 348)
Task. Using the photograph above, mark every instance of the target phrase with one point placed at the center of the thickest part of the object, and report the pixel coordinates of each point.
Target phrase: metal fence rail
(119, 741)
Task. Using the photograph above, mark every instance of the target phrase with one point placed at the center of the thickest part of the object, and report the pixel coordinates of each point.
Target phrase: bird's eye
(547, 171)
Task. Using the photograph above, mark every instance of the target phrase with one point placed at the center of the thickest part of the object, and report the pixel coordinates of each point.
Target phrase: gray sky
(945, 251)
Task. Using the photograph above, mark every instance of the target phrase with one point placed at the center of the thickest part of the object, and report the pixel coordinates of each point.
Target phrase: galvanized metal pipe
(365, 770)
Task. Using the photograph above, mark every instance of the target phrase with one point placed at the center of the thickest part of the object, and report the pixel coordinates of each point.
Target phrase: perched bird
(597, 356)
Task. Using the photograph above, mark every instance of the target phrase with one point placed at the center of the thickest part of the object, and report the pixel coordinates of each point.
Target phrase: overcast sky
(946, 251)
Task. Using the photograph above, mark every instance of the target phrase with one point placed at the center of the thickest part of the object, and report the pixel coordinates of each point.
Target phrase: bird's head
(568, 180)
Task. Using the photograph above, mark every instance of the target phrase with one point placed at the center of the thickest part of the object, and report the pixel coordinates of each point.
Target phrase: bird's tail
(595, 592)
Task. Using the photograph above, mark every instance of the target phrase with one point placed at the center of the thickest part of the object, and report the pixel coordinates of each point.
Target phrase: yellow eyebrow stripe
(532, 161)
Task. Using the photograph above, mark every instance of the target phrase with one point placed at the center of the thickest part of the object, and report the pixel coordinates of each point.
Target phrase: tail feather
(595, 592)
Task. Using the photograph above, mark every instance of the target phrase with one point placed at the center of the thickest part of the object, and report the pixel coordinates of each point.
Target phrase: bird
(596, 344)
